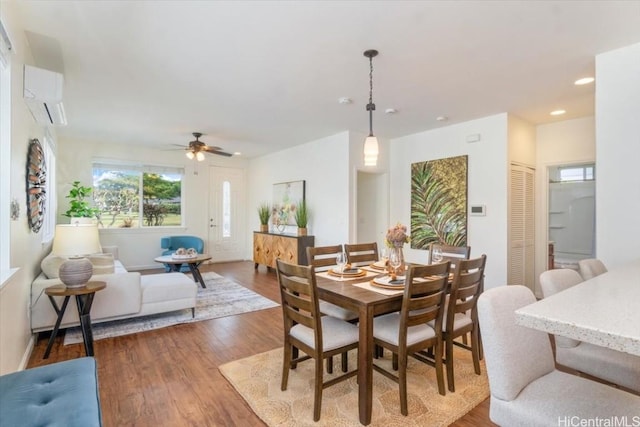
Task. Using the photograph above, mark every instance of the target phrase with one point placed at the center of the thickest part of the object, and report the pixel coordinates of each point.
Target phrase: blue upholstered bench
(60, 394)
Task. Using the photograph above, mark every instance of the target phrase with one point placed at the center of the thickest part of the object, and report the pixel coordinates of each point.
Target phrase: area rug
(257, 379)
(221, 297)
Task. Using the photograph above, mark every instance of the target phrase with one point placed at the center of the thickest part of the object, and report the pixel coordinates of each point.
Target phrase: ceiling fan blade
(217, 150)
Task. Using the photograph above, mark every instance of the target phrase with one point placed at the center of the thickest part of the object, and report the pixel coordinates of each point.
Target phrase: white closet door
(521, 226)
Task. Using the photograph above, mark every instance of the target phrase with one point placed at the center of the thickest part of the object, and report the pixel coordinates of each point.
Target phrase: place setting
(344, 271)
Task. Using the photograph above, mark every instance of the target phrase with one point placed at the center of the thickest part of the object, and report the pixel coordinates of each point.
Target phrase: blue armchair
(173, 243)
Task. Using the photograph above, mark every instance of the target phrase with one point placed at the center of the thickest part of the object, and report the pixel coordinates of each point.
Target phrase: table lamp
(75, 241)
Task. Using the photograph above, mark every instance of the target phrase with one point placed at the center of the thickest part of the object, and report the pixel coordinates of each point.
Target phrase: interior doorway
(572, 219)
(372, 207)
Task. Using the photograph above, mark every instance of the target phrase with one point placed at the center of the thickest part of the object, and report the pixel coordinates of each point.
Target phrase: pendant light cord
(371, 106)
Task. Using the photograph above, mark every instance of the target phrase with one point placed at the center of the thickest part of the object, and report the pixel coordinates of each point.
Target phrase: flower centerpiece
(396, 238)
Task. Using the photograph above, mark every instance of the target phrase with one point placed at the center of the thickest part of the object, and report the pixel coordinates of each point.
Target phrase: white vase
(75, 272)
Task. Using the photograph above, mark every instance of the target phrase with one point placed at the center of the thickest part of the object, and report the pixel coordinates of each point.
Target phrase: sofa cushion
(167, 287)
(102, 263)
(51, 264)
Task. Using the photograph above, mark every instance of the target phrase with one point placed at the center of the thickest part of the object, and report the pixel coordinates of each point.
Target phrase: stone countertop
(604, 311)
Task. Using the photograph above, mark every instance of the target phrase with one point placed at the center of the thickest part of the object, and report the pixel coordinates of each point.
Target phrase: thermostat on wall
(478, 210)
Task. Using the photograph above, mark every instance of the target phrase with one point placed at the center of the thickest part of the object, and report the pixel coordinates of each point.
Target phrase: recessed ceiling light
(237, 153)
(442, 118)
(558, 112)
(345, 100)
(584, 81)
(390, 111)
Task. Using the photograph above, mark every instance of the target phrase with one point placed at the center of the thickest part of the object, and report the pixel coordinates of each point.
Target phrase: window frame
(141, 169)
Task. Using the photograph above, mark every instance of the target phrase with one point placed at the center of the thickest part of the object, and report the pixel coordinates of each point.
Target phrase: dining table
(357, 295)
(604, 310)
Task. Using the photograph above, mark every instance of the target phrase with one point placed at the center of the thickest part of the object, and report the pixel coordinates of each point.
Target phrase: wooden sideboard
(267, 247)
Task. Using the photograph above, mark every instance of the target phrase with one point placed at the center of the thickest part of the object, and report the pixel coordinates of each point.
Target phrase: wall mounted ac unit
(43, 95)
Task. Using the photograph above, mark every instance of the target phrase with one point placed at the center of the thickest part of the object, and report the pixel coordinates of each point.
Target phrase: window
(5, 154)
(226, 209)
(49, 223)
(579, 173)
(137, 196)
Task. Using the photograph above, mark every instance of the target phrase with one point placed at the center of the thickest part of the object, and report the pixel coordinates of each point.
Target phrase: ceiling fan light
(200, 156)
(189, 155)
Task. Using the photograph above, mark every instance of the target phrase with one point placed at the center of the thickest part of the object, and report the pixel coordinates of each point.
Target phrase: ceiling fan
(197, 148)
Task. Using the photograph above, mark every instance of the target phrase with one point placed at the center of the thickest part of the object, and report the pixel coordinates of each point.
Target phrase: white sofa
(126, 295)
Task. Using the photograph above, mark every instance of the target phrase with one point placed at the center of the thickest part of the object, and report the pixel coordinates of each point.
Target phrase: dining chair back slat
(361, 253)
(450, 253)
(322, 258)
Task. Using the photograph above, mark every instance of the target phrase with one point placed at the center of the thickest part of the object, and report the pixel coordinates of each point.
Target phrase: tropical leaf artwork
(439, 202)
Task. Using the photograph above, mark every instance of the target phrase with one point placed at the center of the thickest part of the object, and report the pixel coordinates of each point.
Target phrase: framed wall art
(36, 185)
(286, 197)
(439, 202)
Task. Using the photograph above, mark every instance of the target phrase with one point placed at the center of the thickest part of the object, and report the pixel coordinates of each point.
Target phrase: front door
(227, 220)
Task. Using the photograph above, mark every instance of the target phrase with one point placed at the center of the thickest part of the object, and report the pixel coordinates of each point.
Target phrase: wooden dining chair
(306, 329)
(526, 389)
(616, 367)
(360, 254)
(450, 253)
(407, 332)
(461, 315)
(590, 268)
(322, 258)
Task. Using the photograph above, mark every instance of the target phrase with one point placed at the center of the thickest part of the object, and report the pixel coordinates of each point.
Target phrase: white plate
(386, 280)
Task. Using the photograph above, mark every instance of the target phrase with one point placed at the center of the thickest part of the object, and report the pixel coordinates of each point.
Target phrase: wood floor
(170, 377)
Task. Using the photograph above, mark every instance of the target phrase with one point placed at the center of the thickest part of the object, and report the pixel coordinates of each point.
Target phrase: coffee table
(193, 263)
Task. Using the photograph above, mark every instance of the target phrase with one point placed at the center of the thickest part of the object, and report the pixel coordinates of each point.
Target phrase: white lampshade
(371, 151)
(72, 240)
(200, 156)
(190, 155)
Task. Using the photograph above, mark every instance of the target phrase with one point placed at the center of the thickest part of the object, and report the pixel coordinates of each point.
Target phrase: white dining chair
(525, 387)
(616, 367)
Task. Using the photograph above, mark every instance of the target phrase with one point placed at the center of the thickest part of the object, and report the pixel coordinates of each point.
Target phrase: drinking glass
(394, 260)
(341, 261)
(437, 255)
(384, 255)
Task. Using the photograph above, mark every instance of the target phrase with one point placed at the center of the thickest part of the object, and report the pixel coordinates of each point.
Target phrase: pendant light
(371, 143)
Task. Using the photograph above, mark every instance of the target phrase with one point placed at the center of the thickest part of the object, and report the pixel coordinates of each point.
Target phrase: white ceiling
(260, 76)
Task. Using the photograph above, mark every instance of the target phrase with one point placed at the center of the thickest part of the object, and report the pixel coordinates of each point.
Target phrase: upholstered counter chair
(590, 268)
(525, 387)
(613, 366)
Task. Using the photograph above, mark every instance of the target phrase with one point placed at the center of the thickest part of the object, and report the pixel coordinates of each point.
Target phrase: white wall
(487, 184)
(560, 143)
(26, 247)
(618, 154)
(324, 165)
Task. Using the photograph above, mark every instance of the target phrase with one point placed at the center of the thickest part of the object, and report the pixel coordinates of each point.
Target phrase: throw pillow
(102, 263)
(51, 264)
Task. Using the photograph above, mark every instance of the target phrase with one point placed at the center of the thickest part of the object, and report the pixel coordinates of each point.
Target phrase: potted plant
(302, 218)
(79, 206)
(264, 212)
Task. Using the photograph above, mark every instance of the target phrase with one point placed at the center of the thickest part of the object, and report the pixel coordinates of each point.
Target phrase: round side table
(84, 298)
